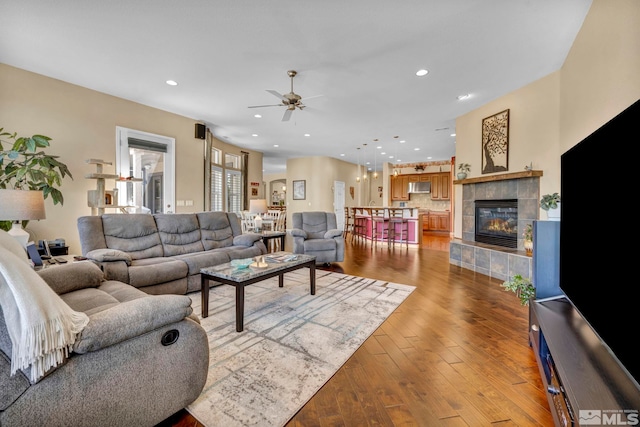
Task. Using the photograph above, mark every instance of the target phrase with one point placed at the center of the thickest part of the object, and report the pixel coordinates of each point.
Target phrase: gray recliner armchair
(317, 233)
(139, 359)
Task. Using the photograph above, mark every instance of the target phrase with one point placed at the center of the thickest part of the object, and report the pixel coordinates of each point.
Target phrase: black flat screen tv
(599, 224)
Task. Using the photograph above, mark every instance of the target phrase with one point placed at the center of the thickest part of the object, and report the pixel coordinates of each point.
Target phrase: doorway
(151, 159)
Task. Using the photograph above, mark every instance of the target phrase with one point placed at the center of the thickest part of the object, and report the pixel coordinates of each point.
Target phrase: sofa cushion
(135, 234)
(89, 300)
(179, 233)
(314, 245)
(216, 229)
(151, 271)
(315, 224)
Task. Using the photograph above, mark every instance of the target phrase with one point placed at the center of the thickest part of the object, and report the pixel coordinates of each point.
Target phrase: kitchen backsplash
(423, 200)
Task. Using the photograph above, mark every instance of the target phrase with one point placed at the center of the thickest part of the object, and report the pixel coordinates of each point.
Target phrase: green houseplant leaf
(550, 201)
(23, 167)
(522, 287)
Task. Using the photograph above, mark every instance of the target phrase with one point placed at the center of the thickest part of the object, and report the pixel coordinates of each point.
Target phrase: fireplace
(497, 222)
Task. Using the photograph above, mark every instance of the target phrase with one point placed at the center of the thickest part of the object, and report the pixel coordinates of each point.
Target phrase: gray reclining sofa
(163, 253)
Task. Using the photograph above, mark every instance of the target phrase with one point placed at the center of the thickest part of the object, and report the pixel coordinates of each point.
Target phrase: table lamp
(18, 206)
(258, 206)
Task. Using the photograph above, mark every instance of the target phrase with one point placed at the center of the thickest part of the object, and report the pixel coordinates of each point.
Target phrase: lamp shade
(20, 205)
(258, 206)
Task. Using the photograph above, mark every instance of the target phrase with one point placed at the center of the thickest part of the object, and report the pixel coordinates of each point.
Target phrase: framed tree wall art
(495, 143)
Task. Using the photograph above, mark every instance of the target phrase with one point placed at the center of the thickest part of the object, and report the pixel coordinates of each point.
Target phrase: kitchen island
(363, 224)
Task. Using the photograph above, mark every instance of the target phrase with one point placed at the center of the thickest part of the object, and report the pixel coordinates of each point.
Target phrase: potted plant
(522, 287)
(23, 167)
(463, 170)
(527, 237)
(551, 204)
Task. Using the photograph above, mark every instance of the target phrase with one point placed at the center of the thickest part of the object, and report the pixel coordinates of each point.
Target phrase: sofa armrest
(130, 319)
(73, 276)
(297, 232)
(246, 239)
(330, 234)
(107, 255)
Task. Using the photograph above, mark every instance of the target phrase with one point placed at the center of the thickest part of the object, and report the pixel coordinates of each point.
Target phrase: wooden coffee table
(277, 265)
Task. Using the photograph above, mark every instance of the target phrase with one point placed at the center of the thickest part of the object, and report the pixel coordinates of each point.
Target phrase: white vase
(528, 247)
(554, 214)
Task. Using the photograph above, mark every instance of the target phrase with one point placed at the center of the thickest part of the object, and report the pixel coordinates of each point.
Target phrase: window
(234, 191)
(216, 188)
(224, 185)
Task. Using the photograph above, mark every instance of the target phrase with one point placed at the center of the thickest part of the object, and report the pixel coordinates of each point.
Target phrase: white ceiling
(356, 58)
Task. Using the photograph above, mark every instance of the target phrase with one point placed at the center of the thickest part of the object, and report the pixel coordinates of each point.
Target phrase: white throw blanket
(42, 327)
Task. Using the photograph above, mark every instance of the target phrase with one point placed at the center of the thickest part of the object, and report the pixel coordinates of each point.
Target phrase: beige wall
(82, 124)
(598, 80)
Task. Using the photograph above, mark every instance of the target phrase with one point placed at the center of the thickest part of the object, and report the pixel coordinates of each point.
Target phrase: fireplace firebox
(497, 222)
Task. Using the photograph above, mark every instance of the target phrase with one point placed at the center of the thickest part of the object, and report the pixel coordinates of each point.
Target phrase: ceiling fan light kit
(290, 100)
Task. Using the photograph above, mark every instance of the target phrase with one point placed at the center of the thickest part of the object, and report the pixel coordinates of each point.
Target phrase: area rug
(291, 345)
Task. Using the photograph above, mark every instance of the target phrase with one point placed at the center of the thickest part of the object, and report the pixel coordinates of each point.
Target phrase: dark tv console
(585, 384)
(578, 370)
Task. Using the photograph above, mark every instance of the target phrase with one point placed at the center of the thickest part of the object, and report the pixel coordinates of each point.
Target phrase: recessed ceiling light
(307, 134)
(453, 134)
(254, 134)
(391, 157)
(402, 141)
(341, 154)
(463, 97)
(276, 145)
(257, 116)
(416, 149)
(383, 153)
(172, 83)
(422, 72)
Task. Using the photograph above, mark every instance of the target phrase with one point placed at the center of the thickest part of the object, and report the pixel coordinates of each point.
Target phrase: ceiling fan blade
(275, 93)
(287, 115)
(314, 96)
(272, 105)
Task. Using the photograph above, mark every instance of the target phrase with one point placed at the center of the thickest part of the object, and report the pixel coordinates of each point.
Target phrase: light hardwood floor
(455, 353)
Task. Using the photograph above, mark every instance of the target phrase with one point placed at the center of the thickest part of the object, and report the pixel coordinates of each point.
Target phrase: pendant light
(364, 161)
(375, 161)
(395, 170)
(358, 170)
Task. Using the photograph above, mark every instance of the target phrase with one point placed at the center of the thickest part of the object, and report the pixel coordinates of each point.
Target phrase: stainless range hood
(420, 187)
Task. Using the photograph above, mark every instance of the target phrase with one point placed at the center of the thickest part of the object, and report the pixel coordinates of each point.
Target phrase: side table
(270, 235)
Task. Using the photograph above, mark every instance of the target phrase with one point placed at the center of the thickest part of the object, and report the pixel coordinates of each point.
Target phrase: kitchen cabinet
(440, 183)
(400, 187)
(436, 221)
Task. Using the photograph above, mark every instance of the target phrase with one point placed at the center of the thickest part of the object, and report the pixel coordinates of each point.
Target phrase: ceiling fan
(290, 100)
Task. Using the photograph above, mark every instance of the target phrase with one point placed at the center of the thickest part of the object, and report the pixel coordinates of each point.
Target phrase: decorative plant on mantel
(23, 167)
(522, 287)
(463, 170)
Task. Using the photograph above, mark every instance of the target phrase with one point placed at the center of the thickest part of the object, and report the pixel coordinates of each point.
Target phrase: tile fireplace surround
(496, 261)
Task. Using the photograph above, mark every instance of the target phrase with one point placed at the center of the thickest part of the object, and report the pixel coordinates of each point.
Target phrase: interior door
(338, 203)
